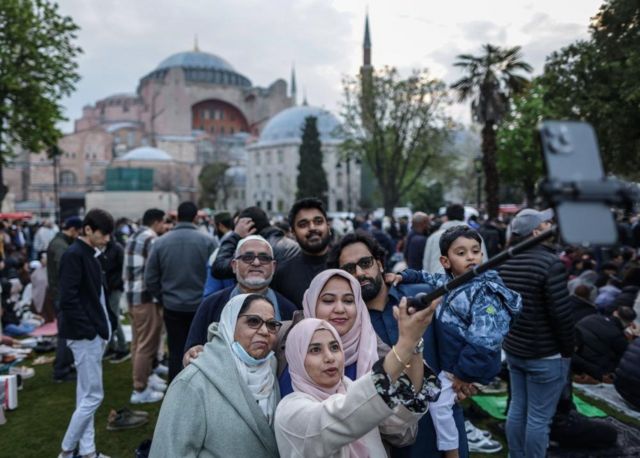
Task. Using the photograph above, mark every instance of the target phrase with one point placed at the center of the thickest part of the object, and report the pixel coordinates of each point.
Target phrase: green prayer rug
(496, 405)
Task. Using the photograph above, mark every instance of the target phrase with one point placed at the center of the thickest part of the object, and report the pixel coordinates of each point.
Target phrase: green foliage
(398, 128)
(215, 185)
(427, 198)
(519, 157)
(490, 81)
(597, 81)
(37, 69)
(312, 179)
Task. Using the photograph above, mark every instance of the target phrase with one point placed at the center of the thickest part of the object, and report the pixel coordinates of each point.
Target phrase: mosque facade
(193, 109)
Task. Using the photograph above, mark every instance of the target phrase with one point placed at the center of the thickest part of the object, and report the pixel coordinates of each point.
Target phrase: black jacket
(601, 345)
(283, 249)
(628, 374)
(414, 250)
(545, 324)
(581, 307)
(210, 310)
(112, 261)
(80, 283)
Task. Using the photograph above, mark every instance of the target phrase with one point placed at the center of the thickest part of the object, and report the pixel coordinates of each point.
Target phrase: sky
(123, 40)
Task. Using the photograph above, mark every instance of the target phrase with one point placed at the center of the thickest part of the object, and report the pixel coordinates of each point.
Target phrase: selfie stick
(423, 300)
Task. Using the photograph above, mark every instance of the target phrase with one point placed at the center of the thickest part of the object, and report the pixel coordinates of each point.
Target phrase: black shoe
(68, 377)
(120, 357)
(125, 419)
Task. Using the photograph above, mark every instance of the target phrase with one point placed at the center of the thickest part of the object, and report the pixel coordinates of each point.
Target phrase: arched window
(68, 178)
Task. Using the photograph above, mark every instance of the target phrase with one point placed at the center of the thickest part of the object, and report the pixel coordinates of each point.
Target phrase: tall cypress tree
(312, 180)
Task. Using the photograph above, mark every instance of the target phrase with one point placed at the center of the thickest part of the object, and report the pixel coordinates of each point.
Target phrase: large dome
(146, 153)
(195, 59)
(287, 125)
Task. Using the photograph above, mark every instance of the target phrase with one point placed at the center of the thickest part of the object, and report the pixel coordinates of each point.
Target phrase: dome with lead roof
(287, 125)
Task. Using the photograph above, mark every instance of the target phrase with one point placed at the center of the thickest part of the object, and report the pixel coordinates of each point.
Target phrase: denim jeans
(536, 385)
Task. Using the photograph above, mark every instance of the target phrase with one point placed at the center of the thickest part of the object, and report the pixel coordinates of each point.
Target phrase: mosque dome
(195, 59)
(201, 67)
(146, 153)
(287, 125)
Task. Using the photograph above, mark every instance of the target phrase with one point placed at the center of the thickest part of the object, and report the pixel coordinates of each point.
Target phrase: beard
(315, 247)
(254, 282)
(370, 290)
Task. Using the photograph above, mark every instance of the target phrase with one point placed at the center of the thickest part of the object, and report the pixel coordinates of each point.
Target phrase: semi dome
(195, 59)
(146, 153)
(287, 125)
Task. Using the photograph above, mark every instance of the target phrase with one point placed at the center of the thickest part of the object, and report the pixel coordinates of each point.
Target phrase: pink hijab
(296, 351)
(360, 343)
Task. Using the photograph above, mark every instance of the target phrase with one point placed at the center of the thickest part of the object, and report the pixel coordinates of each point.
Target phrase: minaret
(368, 185)
(367, 43)
(195, 43)
(294, 88)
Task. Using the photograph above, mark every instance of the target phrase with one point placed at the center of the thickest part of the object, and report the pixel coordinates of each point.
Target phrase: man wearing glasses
(363, 257)
(254, 266)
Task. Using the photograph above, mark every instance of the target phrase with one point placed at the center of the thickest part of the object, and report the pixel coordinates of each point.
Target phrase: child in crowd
(470, 324)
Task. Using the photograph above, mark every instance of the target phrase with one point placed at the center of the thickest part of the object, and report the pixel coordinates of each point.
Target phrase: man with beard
(361, 256)
(308, 220)
(253, 265)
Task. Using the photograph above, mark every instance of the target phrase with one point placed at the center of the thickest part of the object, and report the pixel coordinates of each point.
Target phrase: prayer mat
(496, 406)
(607, 393)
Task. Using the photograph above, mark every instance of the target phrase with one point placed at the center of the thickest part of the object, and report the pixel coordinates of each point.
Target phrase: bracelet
(393, 349)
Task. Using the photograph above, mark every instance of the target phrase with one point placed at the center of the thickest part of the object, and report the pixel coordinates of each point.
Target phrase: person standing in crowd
(454, 216)
(252, 220)
(254, 267)
(541, 341)
(416, 240)
(175, 275)
(360, 255)
(224, 228)
(43, 237)
(63, 365)
(383, 239)
(223, 403)
(87, 322)
(308, 220)
(145, 312)
(113, 259)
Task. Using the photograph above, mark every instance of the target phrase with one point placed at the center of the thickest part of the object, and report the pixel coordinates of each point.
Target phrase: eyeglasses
(248, 258)
(255, 322)
(363, 263)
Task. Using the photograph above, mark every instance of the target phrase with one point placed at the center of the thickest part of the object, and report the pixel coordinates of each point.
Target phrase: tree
(518, 152)
(215, 184)
(37, 69)
(398, 130)
(312, 179)
(490, 80)
(596, 80)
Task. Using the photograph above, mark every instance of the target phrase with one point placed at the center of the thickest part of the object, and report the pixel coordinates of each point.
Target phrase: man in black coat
(87, 322)
(602, 343)
(541, 340)
(254, 266)
(627, 381)
(416, 240)
(580, 303)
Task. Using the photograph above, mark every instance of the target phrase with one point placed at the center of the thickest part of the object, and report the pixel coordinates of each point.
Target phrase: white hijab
(258, 376)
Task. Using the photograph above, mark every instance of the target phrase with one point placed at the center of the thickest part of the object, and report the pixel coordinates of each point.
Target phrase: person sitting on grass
(470, 324)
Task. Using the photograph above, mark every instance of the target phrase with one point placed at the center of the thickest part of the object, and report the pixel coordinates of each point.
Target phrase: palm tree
(491, 80)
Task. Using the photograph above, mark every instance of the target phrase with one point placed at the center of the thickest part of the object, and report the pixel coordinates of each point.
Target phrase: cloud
(484, 32)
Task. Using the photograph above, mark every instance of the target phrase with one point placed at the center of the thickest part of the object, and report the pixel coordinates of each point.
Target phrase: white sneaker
(473, 431)
(156, 383)
(147, 396)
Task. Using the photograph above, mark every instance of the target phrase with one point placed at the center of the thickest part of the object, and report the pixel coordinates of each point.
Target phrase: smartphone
(572, 163)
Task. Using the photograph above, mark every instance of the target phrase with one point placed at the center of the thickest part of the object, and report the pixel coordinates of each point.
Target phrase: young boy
(470, 324)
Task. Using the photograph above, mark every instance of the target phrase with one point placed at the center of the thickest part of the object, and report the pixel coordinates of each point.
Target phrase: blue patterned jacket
(470, 323)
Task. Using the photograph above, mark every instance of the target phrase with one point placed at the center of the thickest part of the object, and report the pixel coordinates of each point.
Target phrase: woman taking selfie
(328, 415)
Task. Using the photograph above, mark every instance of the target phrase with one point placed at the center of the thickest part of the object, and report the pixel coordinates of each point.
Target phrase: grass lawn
(36, 427)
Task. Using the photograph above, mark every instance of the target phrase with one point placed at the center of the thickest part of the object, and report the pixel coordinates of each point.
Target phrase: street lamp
(477, 165)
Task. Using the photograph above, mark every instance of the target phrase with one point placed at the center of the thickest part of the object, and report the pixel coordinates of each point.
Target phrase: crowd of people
(295, 337)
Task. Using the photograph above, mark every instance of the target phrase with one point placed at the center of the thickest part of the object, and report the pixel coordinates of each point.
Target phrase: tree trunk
(491, 180)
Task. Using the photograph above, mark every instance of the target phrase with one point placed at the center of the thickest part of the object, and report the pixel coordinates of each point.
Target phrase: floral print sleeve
(402, 391)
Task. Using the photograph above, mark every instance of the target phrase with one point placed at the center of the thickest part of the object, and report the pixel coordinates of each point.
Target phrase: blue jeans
(536, 385)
